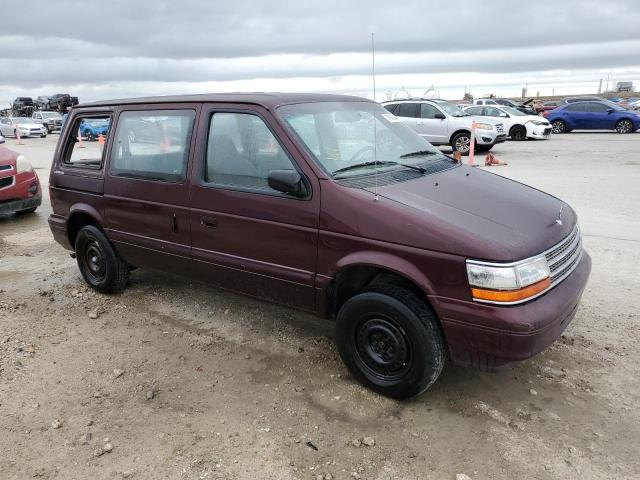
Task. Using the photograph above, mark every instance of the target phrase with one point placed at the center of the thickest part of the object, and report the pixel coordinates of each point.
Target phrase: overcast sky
(123, 48)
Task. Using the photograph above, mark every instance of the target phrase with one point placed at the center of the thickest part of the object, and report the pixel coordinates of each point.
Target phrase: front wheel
(89, 135)
(99, 263)
(390, 340)
(461, 143)
(518, 133)
(558, 126)
(624, 126)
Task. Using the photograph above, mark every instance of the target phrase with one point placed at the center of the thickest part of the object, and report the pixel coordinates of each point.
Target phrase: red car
(20, 190)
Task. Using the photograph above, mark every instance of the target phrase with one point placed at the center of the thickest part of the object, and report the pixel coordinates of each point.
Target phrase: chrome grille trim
(563, 258)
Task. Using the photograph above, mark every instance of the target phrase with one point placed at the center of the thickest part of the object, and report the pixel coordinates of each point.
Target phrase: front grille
(500, 128)
(547, 131)
(6, 182)
(5, 167)
(565, 256)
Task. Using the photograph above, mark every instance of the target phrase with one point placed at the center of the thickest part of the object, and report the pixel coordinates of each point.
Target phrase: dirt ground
(176, 380)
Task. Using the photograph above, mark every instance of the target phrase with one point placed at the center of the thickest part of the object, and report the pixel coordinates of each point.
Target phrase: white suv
(443, 123)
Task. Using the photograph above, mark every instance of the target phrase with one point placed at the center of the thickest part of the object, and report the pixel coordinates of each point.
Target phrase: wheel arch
(79, 216)
(355, 273)
(460, 130)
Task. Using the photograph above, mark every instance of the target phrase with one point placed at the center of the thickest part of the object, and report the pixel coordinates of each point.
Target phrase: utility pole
(600, 87)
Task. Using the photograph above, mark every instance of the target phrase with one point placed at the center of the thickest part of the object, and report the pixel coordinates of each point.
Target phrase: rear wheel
(461, 143)
(518, 133)
(558, 126)
(624, 126)
(390, 341)
(99, 263)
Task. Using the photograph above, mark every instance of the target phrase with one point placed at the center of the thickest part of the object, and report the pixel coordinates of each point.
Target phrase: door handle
(174, 223)
(209, 222)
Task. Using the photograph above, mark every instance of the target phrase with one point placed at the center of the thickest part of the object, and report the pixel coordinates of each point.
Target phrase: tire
(99, 263)
(48, 129)
(89, 136)
(558, 126)
(391, 341)
(461, 142)
(518, 133)
(624, 126)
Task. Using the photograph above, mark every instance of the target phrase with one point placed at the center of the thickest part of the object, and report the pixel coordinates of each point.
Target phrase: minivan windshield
(356, 138)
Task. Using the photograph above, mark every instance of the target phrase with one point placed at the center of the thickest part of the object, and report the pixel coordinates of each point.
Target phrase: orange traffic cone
(457, 156)
(101, 139)
(165, 145)
(80, 144)
(491, 161)
(18, 139)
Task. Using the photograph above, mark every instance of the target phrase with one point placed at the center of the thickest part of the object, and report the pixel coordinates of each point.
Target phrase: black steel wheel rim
(94, 261)
(383, 347)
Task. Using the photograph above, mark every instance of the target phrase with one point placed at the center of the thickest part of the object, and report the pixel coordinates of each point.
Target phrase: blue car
(593, 115)
(92, 128)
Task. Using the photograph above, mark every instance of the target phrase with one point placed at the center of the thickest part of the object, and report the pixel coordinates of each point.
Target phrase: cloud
(71, 46)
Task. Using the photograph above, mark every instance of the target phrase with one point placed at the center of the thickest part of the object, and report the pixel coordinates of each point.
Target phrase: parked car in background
(42, 102)
(545, 107)
(524, 108)
(51, 120)
(61, 101)
(634, 105)
(2, 140)
(329, 204)
(26, 126)
(444, 123)
(519, 126)
(20, 190)
(593, 115)
(22, 106)
(92, 128)
(581, 99)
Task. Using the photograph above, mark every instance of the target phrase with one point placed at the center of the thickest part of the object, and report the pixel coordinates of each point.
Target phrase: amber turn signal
(507, 296)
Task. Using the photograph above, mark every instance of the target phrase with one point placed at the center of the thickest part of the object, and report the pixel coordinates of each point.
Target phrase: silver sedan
(26, 127)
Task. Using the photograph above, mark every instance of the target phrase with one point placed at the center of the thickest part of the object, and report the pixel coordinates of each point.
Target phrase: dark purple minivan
(328, 204)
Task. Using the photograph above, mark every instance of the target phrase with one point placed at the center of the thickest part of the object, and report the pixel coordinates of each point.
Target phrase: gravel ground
(175, 380)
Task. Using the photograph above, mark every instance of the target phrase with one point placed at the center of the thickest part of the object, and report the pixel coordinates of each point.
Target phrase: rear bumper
(490, 336)
(58, 226)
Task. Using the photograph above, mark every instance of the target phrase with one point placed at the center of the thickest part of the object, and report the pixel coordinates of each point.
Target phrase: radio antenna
(375, 136)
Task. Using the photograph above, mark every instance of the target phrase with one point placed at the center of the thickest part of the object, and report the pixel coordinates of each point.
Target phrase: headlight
(538, 122)
(508, 283)
(23, 165)
(484, 126)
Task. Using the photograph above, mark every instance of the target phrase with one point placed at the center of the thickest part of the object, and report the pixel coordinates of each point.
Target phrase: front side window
(152, 144)
(356, 138)
(242, 151)
(87, 151)
(428, 111)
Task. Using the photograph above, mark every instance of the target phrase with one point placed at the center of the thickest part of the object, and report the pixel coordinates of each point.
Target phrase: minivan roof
(269, 100)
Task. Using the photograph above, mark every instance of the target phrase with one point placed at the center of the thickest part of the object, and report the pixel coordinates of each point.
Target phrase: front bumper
(540, 132)
(491, 336)
(12, 206)
(489, 137)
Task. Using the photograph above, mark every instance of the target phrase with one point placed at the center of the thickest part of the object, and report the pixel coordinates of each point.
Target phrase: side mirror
(287, 181)
(611, 110)
(439, 115)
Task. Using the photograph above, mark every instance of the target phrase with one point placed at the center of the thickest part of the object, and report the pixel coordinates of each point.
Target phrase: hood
(477, 214)
(7, 157)
(30, 125)
(530, 118)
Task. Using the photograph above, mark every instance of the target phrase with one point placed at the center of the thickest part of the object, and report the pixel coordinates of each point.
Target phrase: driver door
(247, 236)
(434, 129)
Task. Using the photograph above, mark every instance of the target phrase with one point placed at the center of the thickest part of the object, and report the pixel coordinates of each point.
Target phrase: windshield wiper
(382, 163)
(418, 153)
